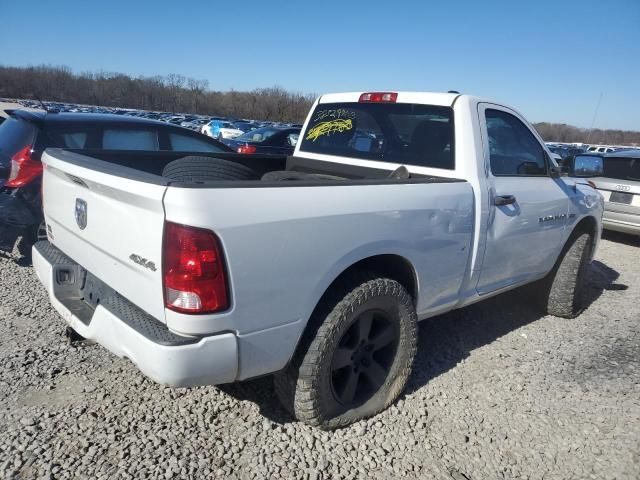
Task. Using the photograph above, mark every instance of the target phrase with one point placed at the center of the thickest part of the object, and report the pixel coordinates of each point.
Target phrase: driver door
(529, 208)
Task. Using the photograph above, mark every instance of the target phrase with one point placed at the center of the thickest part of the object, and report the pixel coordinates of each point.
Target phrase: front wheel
(564, 286)
(359, 359)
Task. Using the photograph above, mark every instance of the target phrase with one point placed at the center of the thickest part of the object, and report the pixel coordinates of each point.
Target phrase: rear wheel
(195, 168)
(359, 359)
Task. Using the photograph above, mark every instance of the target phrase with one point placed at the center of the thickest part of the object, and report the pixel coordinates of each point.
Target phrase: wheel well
(391, 266)
(587, 225)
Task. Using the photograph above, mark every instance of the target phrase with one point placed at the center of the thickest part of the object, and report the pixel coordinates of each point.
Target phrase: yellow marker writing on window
(327, 128)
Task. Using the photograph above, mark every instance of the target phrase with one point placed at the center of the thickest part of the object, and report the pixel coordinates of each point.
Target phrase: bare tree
(178, 93)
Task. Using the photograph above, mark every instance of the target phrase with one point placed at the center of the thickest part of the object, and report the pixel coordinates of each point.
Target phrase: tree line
(177, 93)
(557, 132)
(169, 93)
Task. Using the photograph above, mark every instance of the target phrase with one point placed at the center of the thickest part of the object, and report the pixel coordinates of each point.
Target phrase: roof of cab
(427, 98)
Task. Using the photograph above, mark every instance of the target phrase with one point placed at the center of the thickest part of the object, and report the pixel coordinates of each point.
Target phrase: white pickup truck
(395, 207)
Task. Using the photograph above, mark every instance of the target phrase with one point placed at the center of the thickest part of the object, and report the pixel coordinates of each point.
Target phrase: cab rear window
(404, 133)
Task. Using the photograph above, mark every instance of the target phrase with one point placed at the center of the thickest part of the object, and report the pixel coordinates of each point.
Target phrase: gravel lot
(499, 391)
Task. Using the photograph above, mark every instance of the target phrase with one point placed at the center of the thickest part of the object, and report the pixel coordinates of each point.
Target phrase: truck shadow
(446, 340)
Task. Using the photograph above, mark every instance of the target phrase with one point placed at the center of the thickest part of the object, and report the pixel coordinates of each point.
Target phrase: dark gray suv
(26, 134)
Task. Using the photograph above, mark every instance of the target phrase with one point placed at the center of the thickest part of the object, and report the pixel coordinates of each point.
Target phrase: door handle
(500, 200)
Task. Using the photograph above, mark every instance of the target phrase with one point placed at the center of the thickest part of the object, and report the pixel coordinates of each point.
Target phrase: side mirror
(585, 166)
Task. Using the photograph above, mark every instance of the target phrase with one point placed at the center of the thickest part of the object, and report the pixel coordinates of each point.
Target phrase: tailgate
(110, 224)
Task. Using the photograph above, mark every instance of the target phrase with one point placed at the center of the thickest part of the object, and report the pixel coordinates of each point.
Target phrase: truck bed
(146, 165)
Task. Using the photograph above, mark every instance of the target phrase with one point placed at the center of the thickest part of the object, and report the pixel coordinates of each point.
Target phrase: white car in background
(601, 149)
(220, 129)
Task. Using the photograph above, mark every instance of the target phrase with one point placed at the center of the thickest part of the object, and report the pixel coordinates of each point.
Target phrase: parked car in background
(175, 120)
(564, 154)
(601, 149)
(565, 151)
(244, 126)
(272, 140)
(220, 129)
(26, 134)
(195, 124)
(619, 184)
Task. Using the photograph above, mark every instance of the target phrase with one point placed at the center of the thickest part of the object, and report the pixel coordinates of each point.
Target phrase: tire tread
(563, 286)
(197, 168)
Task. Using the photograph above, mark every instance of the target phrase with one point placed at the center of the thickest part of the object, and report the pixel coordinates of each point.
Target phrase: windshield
(622, 168)
(393, 132)
(258, 135)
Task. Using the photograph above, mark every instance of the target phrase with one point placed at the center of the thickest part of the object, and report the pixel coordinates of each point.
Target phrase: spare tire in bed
(291, 175)
(201, 169)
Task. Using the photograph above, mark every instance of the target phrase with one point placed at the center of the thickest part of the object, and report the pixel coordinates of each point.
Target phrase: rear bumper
(624, 219)
(621, 226)
(127, 331)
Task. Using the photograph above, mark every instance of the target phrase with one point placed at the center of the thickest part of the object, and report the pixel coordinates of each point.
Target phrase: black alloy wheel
(363, 359)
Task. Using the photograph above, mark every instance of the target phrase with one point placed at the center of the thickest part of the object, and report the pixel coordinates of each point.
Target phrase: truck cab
(524, 208)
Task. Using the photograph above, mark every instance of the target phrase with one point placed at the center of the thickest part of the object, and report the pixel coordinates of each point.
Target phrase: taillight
(193, 270)
(380, 97)
(246, 149)
(24, 168)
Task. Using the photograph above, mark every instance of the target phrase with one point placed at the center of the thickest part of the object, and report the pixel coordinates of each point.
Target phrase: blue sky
(549, 59)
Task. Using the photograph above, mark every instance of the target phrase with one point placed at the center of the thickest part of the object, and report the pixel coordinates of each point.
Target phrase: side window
(61, 136)
(69, 139)
(130, 139)
(513, 150)
(75, 140)
(186, 143)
